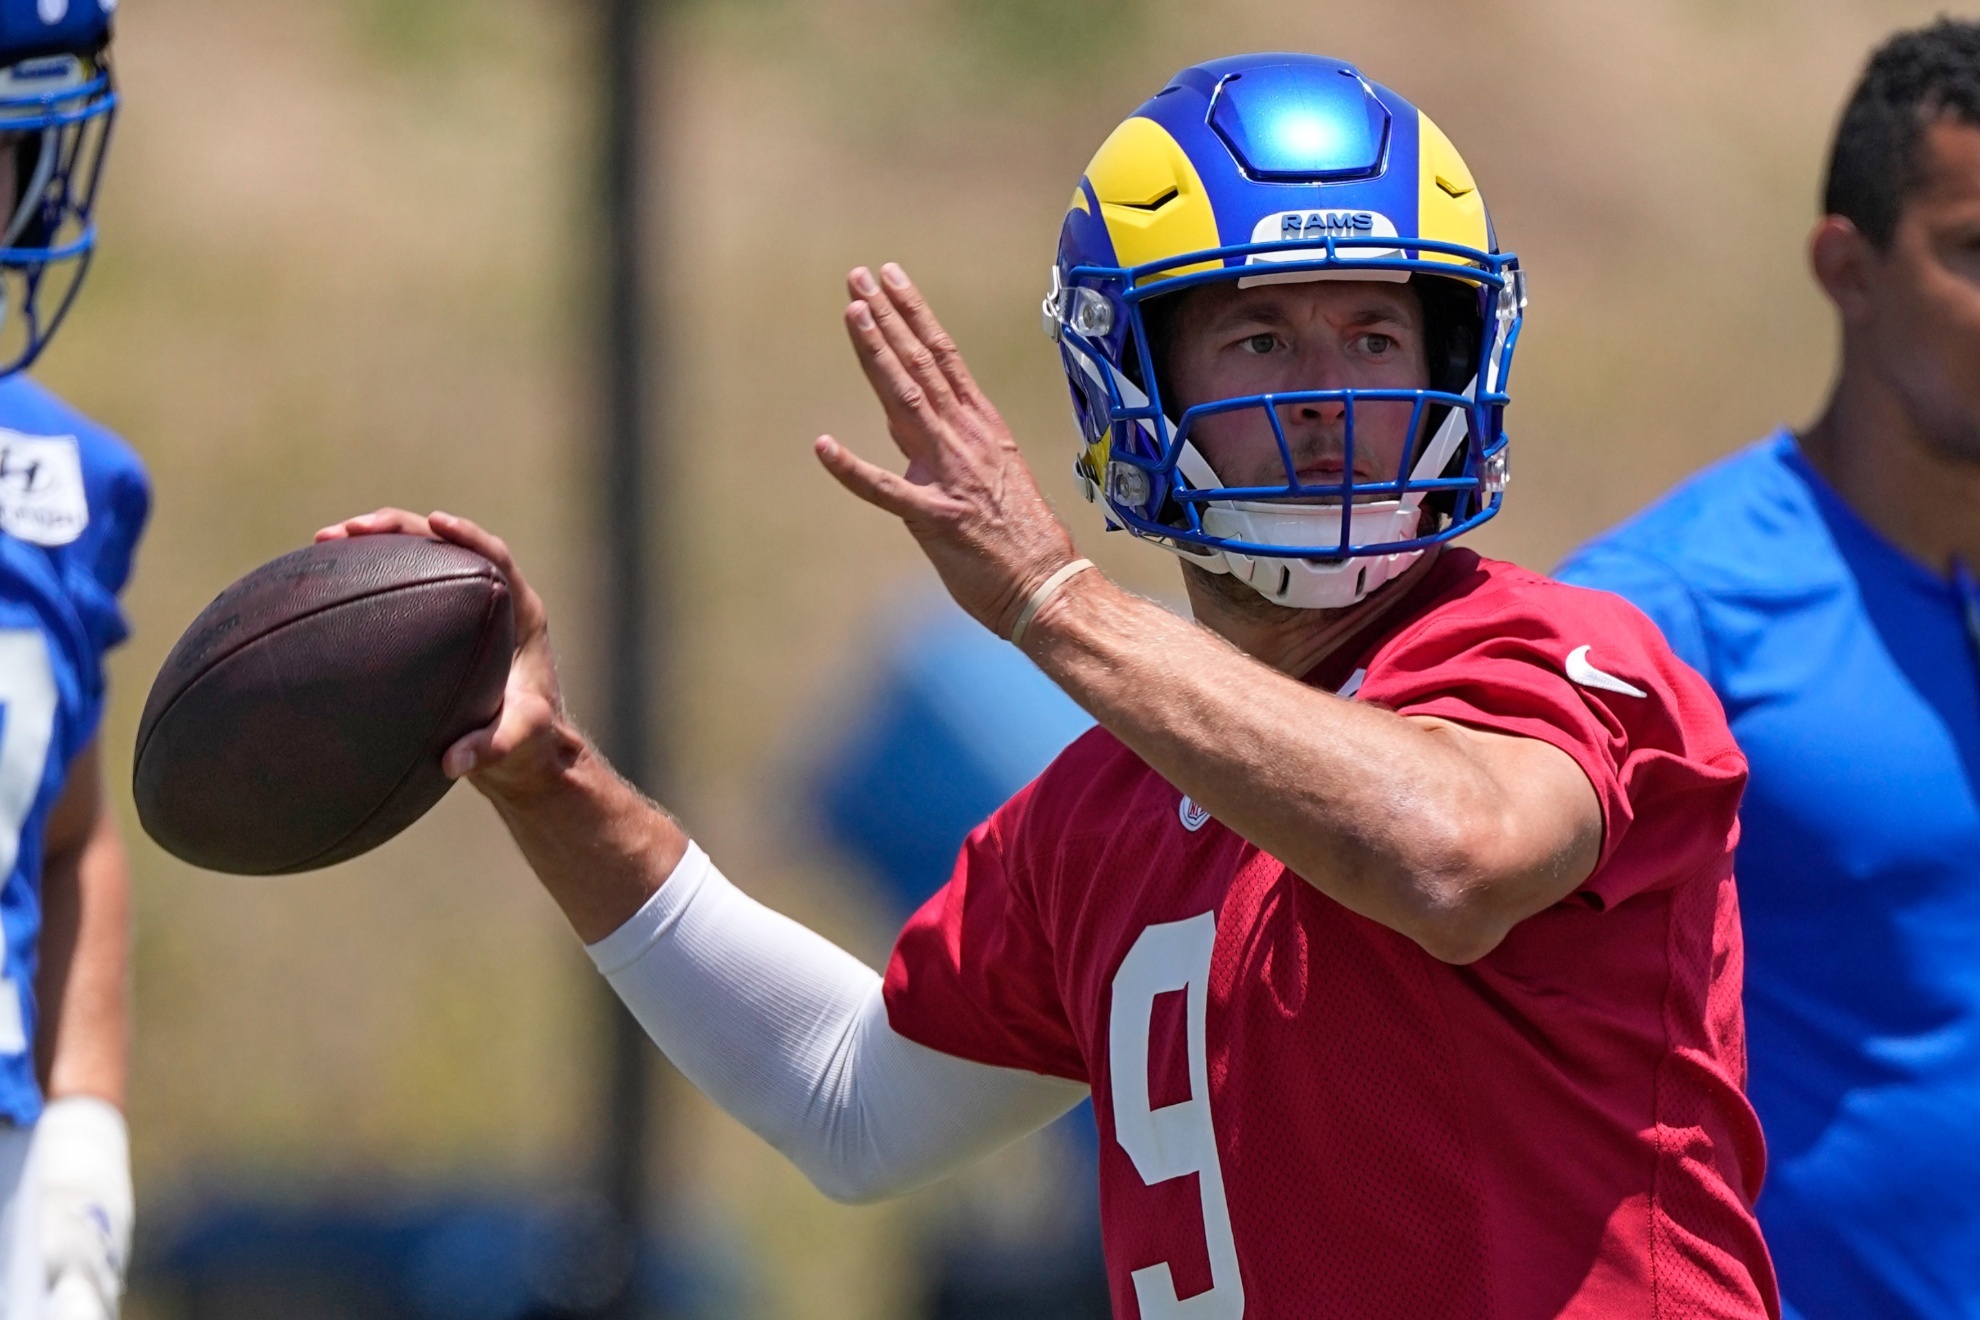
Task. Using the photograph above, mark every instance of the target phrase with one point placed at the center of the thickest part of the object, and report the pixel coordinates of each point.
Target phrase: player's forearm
(598, 845)
(1379, 812)
(84, 984)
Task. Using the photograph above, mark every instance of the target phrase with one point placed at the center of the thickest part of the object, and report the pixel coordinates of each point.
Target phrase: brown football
(301, 719)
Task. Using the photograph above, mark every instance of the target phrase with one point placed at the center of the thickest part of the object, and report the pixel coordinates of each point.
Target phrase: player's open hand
(530, 742)
(967, 495)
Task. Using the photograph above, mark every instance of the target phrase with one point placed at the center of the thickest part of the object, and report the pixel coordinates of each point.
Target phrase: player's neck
(1290, 641)
(1870, 449)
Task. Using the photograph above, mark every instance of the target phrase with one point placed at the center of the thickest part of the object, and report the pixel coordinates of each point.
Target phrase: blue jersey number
(27, 707)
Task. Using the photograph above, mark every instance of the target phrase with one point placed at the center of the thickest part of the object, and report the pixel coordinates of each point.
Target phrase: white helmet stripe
(1195, 468)
(1442, 445)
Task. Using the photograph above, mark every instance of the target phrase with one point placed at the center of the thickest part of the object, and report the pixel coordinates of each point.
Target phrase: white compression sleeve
(787, 1032)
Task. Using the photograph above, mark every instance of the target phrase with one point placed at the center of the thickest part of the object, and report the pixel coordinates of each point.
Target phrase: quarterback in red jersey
(1375, 1131)
(1387, 916)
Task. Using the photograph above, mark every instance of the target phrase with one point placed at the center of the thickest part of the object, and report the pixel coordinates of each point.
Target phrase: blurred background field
(348, 259)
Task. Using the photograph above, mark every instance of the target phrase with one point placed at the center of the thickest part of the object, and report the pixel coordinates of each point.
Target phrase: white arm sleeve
(787, 1032)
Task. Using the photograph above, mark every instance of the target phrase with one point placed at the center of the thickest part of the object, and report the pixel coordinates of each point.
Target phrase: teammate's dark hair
(1914, 79)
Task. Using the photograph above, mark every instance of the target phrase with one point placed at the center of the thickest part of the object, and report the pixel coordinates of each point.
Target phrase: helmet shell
(1263, 168)
(29, 28)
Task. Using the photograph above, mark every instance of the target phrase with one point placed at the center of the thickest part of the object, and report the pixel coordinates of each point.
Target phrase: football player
(73, 501)
(1823, 581)
(1388, 914)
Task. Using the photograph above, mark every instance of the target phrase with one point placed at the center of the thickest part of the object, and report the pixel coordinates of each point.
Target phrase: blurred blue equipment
(958, 722)
(57, 101)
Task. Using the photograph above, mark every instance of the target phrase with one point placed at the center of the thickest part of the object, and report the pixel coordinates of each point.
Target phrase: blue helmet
(1264, 169)
(57, 101)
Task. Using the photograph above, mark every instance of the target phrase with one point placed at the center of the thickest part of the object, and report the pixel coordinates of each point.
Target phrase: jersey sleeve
(79, 516)
(972, 972)
(1590, 674)
(1651, 587)
(99, 563)
(96, 565)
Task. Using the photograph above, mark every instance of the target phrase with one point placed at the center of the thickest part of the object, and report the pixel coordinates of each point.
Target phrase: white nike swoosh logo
(1589, 676)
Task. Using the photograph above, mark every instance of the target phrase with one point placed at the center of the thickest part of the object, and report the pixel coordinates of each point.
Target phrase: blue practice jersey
(1848, 674)
(73, 500)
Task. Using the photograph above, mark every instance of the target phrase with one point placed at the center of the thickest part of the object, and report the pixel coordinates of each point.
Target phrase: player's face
(1321, 335)
(1924, 295)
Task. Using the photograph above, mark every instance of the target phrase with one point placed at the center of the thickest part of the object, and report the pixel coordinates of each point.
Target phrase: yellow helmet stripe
(1448, 207)
(1151, 197)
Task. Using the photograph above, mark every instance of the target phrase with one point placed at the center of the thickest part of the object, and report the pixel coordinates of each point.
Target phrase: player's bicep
(1537, 819)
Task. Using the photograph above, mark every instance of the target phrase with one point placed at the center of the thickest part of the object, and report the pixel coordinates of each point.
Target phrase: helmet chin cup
(1298, 579)
(1312, 584)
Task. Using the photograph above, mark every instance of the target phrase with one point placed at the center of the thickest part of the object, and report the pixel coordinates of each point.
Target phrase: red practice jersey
(1302, 1114)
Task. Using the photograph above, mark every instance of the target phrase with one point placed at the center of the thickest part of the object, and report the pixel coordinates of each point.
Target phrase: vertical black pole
(637, 672)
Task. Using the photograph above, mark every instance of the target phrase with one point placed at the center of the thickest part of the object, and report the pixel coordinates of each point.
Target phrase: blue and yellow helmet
(57, 101)
(1271, 168)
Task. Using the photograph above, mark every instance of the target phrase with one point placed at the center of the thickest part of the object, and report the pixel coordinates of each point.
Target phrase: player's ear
(1845, 263)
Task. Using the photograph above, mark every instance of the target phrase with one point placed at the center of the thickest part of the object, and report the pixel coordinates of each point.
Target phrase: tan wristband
(1041, 597)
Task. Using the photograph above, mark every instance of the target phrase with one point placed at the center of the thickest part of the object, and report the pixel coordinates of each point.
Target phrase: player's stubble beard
(1289, 639)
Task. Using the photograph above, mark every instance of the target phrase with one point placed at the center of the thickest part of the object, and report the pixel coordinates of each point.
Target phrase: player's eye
(1377, 345)
(1261, 344)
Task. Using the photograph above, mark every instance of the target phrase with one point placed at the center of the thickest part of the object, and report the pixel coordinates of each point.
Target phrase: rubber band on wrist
(1042, 596)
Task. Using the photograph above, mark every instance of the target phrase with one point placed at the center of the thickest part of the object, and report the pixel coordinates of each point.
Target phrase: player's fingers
(873, 483)
(530, 614)
(467, 532)
(920, 319)
(524, 741)
(911, 416)
(470, 752)
(915, 356)
(527, 715)
(377, 522)
(531, 707)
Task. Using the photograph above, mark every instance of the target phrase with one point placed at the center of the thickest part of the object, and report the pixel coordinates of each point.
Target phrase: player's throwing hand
(523, 750)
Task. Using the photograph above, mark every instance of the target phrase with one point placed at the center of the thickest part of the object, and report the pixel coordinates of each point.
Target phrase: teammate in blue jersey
(72, 503)
(1823, 582)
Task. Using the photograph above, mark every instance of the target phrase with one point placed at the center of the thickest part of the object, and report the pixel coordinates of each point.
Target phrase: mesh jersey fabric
(1851, 681)
(1555, 1130)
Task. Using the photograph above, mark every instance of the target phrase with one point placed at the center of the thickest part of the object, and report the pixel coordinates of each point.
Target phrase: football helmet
(1265, 169)
(57, 101)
